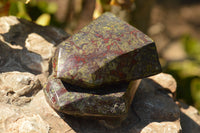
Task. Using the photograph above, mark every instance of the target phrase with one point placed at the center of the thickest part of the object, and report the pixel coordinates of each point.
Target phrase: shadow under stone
(138, 116)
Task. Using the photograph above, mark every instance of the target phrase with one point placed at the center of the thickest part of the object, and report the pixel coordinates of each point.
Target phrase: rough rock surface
(25, 50)
(16, 120)
(17, 87)
(26, 46)
(190, 119)
(149, 113)
(165, 81)
(153, 109)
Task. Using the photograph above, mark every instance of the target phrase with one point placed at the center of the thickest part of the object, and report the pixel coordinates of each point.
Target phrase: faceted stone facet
(106, 51)
(65, 98)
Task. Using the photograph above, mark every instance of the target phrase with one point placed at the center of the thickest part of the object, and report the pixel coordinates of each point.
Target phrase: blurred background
(173, 24)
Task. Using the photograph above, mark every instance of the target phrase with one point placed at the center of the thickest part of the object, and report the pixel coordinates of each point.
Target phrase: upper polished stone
(106, 51)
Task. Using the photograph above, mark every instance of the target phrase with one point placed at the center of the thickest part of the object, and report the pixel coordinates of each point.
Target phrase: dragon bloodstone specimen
(96, 71)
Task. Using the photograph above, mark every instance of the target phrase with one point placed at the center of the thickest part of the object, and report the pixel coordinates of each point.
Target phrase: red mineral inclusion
(106, 51)
(96, 71)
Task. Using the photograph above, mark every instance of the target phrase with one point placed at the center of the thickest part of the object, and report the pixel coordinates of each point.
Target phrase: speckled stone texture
(64, 98)
(96, 71)
(106, 51)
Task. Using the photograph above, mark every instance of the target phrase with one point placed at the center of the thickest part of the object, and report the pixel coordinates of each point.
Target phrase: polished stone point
(106, 51)
(96, 72)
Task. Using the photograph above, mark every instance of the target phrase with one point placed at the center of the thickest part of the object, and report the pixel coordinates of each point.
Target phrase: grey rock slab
(151, 103)
(29, 45)
(190, 119)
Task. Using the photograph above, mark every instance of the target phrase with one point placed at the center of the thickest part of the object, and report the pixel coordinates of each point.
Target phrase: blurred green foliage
(195, 90)
(45, 7)
(187, 72)
(41, 12)
(18, 8)
(192, 47)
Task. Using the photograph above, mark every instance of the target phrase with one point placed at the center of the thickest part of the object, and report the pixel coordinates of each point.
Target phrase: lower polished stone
(78, 101)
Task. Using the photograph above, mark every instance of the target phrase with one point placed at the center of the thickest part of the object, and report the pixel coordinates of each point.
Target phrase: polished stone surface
(96, 71)
(64, 98)
(106, 51)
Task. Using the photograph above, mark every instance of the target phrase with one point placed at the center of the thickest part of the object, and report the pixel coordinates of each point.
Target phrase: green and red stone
(106, 51)
(62, 97)
(96, 71)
